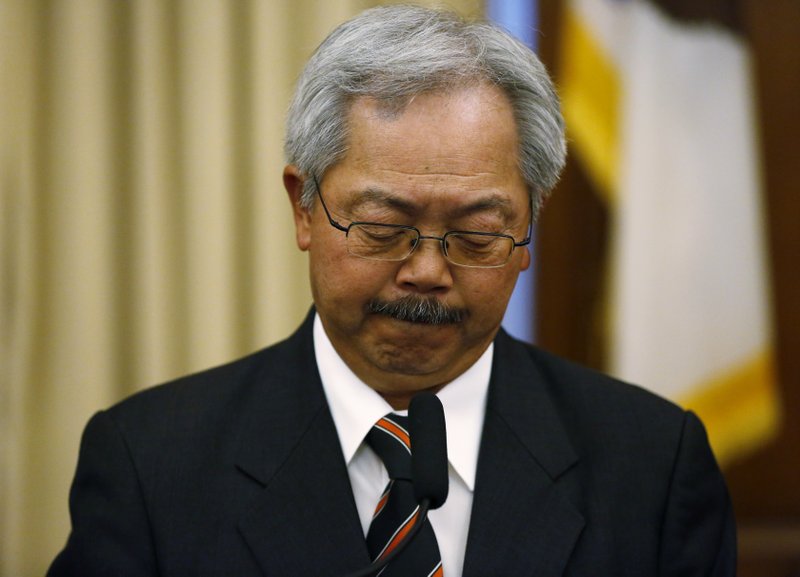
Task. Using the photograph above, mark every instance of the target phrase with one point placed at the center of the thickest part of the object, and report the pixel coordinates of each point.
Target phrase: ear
(525, 261)
(293, 183)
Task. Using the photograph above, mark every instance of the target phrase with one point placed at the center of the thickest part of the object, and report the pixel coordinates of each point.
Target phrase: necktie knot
(390, 440)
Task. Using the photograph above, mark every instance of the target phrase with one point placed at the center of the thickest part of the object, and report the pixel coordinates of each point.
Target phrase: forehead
(463, 141)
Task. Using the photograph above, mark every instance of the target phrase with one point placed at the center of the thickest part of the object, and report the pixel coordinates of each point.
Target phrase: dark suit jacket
(238, 471)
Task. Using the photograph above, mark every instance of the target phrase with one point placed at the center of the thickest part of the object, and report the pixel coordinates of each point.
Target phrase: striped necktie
(397, 508)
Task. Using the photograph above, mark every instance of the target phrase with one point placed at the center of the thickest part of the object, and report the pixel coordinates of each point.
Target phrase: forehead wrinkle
(379, 196)
(491, 202)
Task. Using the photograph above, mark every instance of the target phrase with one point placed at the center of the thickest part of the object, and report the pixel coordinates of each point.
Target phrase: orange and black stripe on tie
(397, 510)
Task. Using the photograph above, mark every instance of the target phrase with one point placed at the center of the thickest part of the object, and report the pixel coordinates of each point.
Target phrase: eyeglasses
(396, 242)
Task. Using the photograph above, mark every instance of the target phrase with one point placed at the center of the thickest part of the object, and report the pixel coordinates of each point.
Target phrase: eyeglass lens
(391, 242)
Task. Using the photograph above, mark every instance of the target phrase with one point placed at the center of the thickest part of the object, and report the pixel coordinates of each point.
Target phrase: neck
(400, 400)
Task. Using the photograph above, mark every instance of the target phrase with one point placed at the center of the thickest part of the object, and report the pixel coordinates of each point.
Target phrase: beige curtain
(144, 231)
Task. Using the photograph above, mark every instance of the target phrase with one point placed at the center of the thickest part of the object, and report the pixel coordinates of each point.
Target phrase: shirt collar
(355, 407)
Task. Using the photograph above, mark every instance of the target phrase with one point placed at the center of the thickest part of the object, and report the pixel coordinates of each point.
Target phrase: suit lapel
(305, 521)
(522, 524)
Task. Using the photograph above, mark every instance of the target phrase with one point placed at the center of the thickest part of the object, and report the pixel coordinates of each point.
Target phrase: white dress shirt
(355, 407)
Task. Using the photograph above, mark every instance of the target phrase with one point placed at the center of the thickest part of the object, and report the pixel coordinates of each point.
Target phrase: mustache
(428, 310)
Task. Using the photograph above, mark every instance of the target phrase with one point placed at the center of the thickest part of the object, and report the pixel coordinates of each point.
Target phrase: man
(420, 150)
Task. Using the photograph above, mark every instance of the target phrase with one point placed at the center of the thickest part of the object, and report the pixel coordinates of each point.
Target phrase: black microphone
(428, 449)
(428, 434)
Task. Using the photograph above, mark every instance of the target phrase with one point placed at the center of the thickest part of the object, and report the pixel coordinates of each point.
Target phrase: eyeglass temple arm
(325, 207)
(527, 240)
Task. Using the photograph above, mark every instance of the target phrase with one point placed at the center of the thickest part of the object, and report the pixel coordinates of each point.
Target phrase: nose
(427, 269)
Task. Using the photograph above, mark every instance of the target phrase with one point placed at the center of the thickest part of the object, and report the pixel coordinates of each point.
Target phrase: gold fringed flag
(661, 114)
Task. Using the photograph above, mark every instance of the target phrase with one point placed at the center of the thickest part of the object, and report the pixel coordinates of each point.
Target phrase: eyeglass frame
(442, 239)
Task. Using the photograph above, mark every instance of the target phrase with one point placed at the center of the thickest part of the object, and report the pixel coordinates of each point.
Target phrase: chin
(413, 359)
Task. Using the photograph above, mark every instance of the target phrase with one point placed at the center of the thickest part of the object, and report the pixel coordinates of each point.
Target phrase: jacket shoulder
(580, 388)
(604, 418)
(207, 397)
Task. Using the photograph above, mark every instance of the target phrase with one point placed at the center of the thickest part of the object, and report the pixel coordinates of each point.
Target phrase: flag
(660, 112)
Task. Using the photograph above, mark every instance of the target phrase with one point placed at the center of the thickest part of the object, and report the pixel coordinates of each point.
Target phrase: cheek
(489, 290)
(345, 280)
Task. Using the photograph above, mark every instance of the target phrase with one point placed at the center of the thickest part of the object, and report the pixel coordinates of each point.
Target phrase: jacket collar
(522, 522)
(305, 521)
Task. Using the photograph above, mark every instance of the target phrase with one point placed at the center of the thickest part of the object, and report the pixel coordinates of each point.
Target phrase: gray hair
(394, 53)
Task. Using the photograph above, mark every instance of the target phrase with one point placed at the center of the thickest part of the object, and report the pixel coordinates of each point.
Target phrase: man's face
(447, 162)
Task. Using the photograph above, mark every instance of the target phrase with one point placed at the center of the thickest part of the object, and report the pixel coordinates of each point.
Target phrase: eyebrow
(491, 202)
